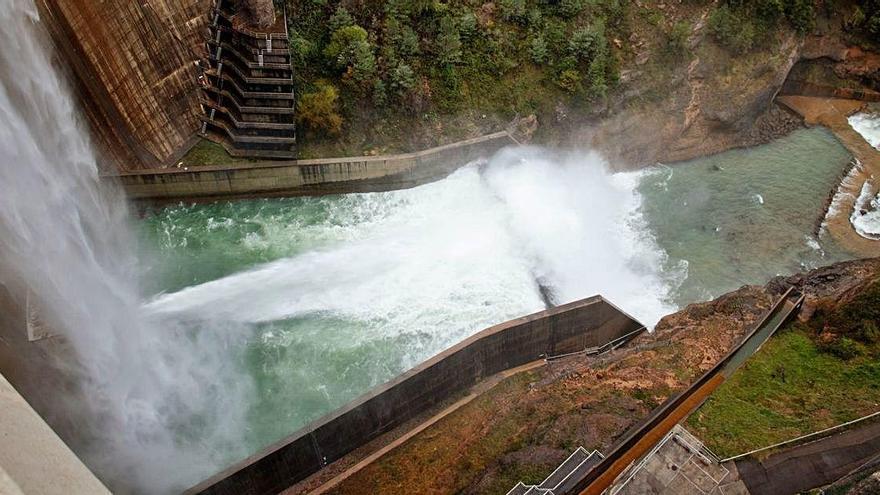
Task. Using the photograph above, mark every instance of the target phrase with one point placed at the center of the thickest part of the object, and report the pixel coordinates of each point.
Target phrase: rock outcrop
(258, 14)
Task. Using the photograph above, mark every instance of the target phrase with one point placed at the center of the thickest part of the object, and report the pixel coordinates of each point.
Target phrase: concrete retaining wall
(308, 177)
(564, 329)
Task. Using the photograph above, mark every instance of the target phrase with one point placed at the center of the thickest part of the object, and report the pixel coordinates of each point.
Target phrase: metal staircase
(247, 88)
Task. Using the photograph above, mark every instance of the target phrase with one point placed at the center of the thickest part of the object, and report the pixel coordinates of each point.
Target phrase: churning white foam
(157, 405)
(868, 125)
(865, 217)
(462, 253)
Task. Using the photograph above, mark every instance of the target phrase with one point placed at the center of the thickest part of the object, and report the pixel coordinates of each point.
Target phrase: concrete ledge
(307, 177)
(568, 328)
(32, 457)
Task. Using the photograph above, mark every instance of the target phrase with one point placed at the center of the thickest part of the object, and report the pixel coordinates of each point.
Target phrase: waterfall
(153, 392)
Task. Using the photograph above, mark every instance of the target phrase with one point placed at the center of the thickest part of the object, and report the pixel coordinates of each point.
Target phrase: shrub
(596, 75)
(468, 25)
(570, 8)
(402, 36)
(448, 42)
(584, 42)
(349, 49)
(731, 31)
(403, 79)
(800, 14)
(301, 48)
(538, 50)
(514, 11)
(380, 94)
(342, 40)
(318, 110)
(676, 41)
(534, 18)
(570, 80)
(870, 332)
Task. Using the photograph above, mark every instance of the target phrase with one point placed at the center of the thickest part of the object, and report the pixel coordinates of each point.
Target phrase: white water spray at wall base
(145, 386)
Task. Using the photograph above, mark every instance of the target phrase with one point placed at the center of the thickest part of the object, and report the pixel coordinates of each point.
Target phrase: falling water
(151, 387)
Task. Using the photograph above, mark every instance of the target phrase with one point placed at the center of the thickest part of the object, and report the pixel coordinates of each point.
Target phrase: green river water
(334, 295)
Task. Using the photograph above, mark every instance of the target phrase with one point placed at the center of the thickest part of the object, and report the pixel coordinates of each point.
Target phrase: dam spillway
(232, 324)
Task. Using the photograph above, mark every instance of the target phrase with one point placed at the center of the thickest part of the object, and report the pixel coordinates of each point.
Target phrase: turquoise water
(331, 296)
(744, 216)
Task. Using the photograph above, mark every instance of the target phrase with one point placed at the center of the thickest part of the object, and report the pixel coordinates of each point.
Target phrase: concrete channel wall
(565, 329)
(308, 177)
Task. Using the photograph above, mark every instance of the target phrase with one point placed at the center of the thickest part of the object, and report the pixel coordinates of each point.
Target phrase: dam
(221, 346)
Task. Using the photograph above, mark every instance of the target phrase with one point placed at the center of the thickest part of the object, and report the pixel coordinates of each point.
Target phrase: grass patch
(789, 388)
(206, 153)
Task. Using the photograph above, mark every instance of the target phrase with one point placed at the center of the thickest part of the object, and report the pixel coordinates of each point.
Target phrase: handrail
(226, 47)
(611, 345)
(802, 437)
(253, 79)
(243, 138)
(269, 95)
(245, 124)
(243, 109)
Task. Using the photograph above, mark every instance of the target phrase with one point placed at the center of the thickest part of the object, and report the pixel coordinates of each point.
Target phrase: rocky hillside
(523, 427)
(643, 80)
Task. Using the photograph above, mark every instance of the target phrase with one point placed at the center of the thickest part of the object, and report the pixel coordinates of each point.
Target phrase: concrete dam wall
(134, 71)
(565, 329)
(308, 177)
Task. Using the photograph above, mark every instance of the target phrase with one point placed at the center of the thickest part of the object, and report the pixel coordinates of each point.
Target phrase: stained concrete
(308, 177)
(33, 459)
(568, 328)
(134, 72)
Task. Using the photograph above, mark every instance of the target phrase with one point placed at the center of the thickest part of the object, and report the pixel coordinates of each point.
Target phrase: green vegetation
(865, 21)
(808, 377)
(318, 110)
(400, 64)
(209, 153)
(742, 25)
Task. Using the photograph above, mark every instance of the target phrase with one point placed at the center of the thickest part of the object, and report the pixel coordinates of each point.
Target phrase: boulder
(259, 14)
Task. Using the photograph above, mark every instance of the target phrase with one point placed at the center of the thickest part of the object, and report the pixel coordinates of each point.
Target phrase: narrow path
(475, 392)
(811, 465)
(833, 114)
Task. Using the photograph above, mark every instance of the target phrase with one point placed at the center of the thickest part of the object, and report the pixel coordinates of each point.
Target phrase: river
(344, 292)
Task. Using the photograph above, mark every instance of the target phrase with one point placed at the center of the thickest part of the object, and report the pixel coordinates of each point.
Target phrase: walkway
(833, 113)
(475, 392)
(811, 465)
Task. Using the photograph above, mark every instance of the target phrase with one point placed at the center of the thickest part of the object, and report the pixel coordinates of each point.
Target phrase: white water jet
(148, 388)
(472, 246)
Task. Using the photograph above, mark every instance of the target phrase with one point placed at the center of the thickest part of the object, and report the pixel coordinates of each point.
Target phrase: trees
(350, 50)
(318, 110)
